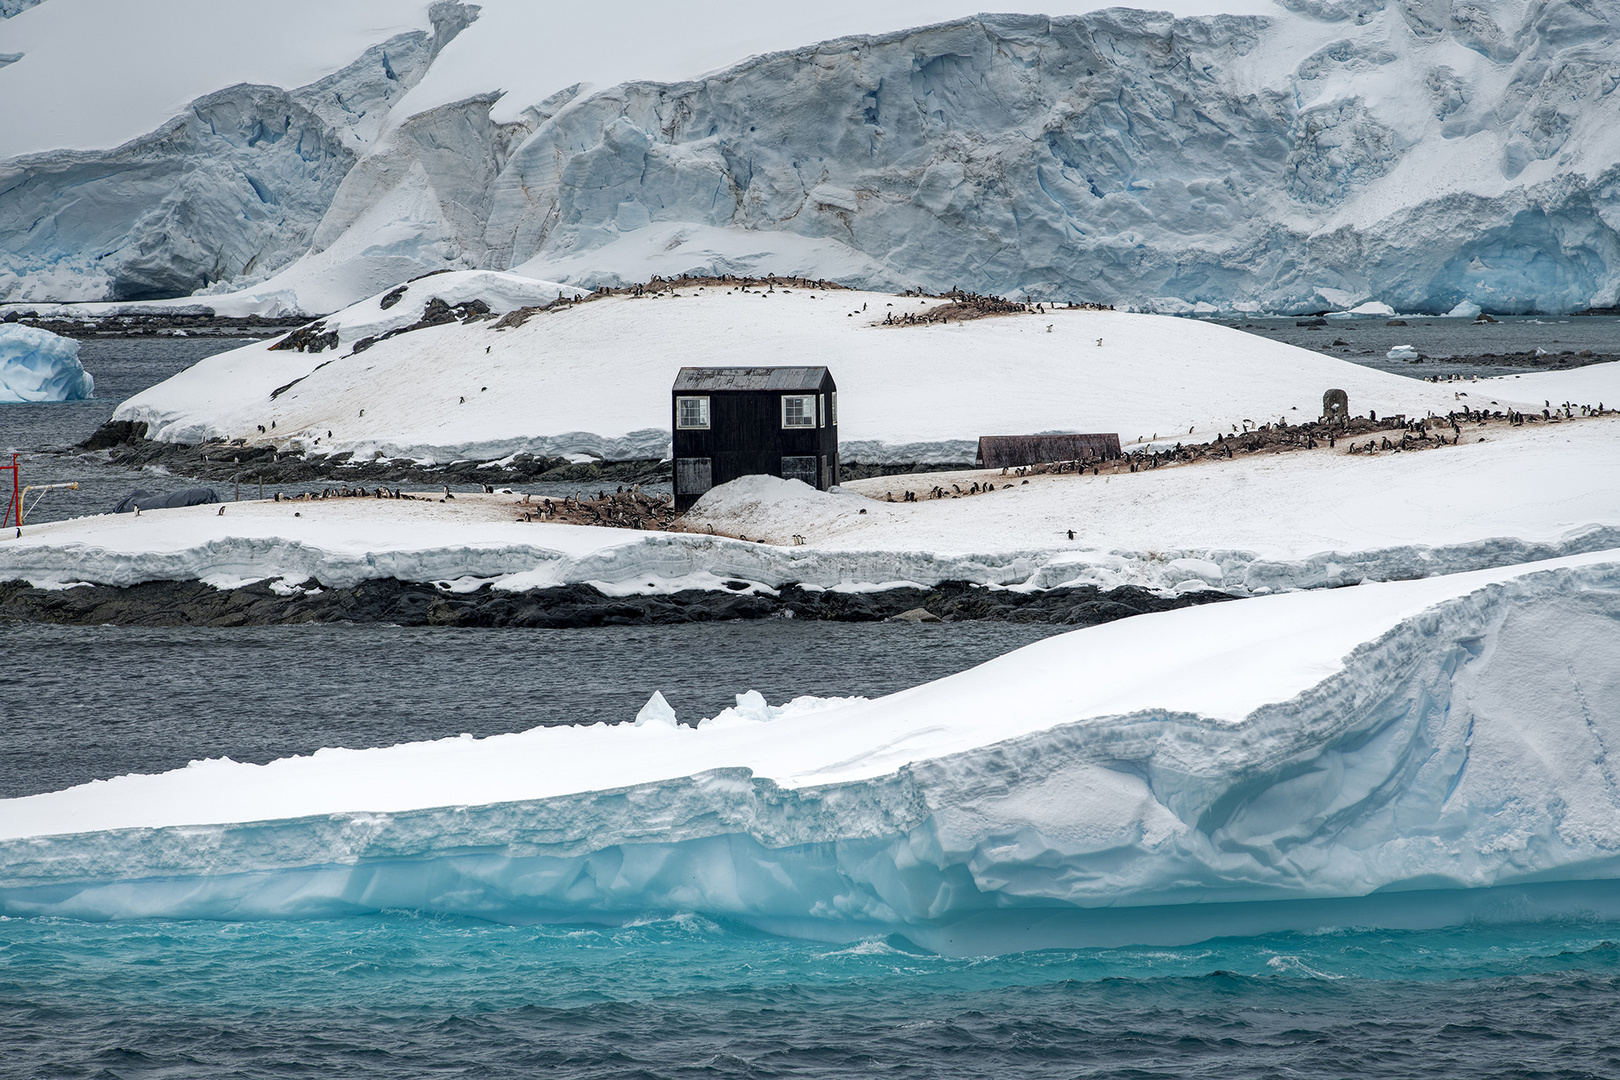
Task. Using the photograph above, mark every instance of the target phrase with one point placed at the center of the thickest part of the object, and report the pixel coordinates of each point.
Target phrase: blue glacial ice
(37, 365)
(1451, 768)
(1425, 156)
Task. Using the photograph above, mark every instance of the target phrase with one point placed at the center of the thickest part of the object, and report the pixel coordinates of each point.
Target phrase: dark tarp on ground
(146, 500)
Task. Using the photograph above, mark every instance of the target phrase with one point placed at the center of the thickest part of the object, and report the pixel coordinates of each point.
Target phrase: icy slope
(1314, 156)
(595, 377)
(1158, 779)
(37, 365)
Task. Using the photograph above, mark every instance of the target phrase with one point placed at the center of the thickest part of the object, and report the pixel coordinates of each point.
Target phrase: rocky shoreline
(126, 444)
(155, 324)
(402, 603)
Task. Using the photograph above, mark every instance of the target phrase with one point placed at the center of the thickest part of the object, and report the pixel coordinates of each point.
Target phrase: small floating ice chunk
(656, 711)
(1402, 352)
(1373, 307)
(37, 365)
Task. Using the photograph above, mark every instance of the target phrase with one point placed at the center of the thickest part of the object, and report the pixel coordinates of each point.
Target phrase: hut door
(693, 475)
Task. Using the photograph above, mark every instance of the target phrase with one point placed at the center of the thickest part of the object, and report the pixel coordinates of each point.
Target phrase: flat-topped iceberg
(37, 365)
(1404, 754)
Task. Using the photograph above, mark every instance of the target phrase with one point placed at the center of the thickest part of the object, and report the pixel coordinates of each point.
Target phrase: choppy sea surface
(397, 996)
(400, 995)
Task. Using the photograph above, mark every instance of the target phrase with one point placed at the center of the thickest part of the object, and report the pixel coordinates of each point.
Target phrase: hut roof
(749, 378)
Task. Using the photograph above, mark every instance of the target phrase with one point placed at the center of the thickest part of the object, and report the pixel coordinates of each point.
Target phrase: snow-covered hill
(595, 377)
(1302, 155)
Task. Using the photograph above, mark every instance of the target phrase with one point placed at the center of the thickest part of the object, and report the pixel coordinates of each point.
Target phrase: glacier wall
(1455, 768)
(1427, 156)
(1421, 153)
(229, 191)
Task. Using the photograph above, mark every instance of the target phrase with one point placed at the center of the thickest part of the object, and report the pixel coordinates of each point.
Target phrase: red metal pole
(16, 491)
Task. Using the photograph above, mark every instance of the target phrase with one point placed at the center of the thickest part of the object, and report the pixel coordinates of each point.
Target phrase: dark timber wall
(746, 436)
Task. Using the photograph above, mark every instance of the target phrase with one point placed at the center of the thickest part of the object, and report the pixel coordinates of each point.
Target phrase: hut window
(798, 410)
(832, 417)
(800, 468)
(821, 408)
(692, 412)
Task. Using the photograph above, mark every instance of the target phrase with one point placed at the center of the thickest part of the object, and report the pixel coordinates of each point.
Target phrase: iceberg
(1404, 754)
(37, 365)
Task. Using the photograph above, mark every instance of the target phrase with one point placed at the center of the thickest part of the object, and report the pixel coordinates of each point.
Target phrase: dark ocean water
(85, 703)
(396, 996)
(1451, 346)
(399, 995)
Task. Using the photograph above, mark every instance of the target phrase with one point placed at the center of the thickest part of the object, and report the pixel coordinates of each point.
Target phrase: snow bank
(1164, 778)
(595, 378)
(37, 365)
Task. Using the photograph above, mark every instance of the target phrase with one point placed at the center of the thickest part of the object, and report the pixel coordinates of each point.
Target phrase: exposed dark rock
(158, 324)
(312, 338)
(191, 603)
(434, 313)
(129, 447)
(115, 433)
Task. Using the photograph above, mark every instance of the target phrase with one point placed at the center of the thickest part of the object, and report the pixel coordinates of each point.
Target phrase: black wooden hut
(746, 421)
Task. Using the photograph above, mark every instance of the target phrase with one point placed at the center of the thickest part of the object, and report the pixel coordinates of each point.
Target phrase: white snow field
(1240, 155)
(37, 365)
(1412, 753)
(1304, 519)
(1593, 385)
(595, 378)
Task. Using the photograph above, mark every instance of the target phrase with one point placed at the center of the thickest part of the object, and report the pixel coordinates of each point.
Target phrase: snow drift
(1410, 750)
(1320, 156)
(37, 365)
